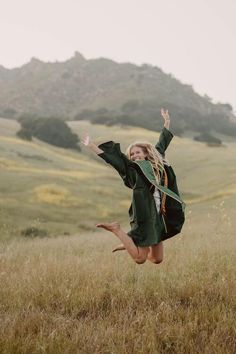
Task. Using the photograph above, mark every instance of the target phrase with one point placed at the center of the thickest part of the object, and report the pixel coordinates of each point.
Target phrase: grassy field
(72, 295)
(65, 192)
(67, 293)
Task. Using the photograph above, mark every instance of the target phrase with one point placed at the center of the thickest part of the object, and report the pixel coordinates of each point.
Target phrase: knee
(157, 260)
(140, 260)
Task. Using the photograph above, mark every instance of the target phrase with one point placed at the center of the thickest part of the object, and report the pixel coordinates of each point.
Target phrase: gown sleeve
(113, 156)
(164, 140)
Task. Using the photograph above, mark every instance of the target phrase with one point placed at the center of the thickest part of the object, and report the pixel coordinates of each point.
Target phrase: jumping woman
(157, 211)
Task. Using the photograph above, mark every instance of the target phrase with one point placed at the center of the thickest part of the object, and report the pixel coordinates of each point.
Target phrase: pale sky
(192, 39)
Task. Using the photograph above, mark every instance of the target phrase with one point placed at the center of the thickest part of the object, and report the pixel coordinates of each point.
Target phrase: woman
(157, 211)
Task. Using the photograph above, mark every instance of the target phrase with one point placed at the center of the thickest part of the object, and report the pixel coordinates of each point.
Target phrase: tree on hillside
(209, 139)
(9, 113)
(51, 130)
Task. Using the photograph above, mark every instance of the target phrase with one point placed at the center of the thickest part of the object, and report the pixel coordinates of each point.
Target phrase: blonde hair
(153, 156)
(157, 161)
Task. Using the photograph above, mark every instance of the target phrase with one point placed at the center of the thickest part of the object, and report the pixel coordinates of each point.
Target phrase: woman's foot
(113, 226)
(119, 248)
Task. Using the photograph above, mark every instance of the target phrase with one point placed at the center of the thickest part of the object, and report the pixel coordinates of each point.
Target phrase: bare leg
(155, 254)
(139, 254)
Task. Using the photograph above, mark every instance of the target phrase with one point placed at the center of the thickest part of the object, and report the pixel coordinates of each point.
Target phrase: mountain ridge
(65, 89)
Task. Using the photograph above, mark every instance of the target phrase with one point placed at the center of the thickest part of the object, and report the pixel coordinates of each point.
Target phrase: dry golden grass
(72, 295)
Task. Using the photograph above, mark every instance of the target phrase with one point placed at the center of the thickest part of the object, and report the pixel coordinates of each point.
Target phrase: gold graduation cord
(163, 201)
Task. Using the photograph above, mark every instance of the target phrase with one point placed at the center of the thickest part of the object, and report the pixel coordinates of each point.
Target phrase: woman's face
(137, 153)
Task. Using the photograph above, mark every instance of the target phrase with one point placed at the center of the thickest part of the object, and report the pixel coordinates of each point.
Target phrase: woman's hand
(166, 118)
(85, 139)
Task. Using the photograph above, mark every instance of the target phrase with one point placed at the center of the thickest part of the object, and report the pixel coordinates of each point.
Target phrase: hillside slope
(63, 191)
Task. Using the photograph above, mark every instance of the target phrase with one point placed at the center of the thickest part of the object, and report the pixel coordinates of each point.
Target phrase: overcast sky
(192, 39)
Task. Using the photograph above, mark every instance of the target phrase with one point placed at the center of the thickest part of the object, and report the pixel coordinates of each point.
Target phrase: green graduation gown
(148, 226)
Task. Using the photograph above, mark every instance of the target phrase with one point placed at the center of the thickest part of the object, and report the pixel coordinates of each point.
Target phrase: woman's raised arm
(165, 136)
(111, 153)
(86, 141)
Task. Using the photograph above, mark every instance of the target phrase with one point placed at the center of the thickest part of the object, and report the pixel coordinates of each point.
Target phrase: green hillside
(66, 192)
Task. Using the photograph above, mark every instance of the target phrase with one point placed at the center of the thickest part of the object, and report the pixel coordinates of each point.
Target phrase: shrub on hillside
(88, 114)
(34, 232)
(209, 139)
(51, 130)
(24, 134)
(9, 113)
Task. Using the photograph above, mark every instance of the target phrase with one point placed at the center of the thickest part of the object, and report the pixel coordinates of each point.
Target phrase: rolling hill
(65, 192)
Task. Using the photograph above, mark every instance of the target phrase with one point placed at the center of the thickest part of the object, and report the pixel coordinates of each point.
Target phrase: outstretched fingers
(165, 114)
(85, 140)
